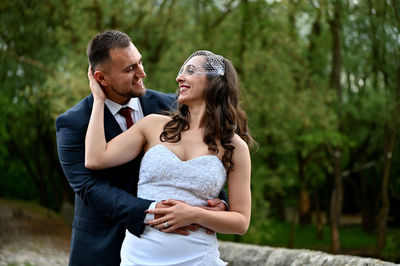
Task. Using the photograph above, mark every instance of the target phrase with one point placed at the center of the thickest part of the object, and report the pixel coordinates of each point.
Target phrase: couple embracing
(149, 187)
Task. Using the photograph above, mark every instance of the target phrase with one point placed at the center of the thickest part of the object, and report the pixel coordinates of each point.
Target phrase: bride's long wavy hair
(223, 116)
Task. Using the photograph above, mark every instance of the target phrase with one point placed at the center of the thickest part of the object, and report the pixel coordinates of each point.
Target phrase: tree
(336, 151)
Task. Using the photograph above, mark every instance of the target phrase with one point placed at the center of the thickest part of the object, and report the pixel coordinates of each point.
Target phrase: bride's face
(192, 81)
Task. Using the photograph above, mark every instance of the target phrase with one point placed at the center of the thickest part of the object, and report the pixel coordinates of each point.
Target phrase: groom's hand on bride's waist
(170, 213)
(180, 231)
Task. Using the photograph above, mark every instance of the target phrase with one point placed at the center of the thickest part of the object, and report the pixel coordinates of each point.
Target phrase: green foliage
(353, 237)
(392, 245)
(28, 51)
(282, 51)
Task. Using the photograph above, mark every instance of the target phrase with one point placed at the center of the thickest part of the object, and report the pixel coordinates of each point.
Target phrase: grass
(25, 264)
(33, 207)
(353, 240)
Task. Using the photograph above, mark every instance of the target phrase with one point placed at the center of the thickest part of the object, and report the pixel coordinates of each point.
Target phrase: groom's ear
(101, 78)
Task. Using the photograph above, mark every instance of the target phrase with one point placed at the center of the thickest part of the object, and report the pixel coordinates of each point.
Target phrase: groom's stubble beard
(131, 92)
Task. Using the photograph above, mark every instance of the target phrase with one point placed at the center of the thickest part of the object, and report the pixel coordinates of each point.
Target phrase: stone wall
(244, 254)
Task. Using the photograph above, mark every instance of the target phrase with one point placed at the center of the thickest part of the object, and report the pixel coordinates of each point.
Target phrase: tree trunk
(385, 206)
(336, 203)
(292, 233)
(318, 216)
(367, 203)
(315, 33)
(389, 139)
(304, 196)
(390, 135)
(337, 192)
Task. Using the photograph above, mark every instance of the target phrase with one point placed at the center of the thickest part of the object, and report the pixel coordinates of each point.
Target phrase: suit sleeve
(95, 191)
(222, 196)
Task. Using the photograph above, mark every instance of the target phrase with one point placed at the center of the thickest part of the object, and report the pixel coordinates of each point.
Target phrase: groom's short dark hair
(99, 47)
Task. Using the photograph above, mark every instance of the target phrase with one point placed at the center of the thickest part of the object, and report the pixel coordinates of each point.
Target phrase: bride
(189, 155)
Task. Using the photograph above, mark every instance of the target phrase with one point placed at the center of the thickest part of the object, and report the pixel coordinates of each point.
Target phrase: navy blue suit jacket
(105, 200)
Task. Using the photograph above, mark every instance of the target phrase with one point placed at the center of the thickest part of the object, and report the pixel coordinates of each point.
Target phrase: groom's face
(125, 73)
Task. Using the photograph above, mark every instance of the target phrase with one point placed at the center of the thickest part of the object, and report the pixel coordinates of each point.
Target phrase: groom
(105, 200)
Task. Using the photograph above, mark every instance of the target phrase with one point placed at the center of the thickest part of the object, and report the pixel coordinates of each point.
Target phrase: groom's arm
(95, 191)
(224, 198)
(217, 204)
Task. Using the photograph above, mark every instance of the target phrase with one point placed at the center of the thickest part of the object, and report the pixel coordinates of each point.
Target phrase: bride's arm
(237, 219)
(98, 153)
(234, 221)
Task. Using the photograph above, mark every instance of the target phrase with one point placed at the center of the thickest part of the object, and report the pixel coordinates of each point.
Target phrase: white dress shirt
(134, 104)
(137, 114)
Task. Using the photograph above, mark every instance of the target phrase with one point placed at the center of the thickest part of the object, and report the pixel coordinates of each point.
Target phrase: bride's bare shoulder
(157, 118)
(154, 120)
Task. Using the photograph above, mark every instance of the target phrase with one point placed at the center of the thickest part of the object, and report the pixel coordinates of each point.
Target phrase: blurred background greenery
(321, 87)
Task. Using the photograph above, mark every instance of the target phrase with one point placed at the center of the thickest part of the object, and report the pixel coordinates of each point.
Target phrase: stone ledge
(237, 254)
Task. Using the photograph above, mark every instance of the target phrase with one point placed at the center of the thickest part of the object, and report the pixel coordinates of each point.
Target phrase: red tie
(126, 112)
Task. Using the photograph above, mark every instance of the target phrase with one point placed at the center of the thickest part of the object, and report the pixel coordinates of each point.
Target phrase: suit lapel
(111, 126)
(149, 106)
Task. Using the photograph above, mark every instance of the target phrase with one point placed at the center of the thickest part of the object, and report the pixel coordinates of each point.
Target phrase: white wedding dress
(164, 176)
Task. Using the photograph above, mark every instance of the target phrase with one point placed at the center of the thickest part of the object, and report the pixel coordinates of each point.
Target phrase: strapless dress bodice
(164, 176)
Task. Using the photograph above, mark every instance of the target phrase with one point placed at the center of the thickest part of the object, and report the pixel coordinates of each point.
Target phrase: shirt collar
(115, 107)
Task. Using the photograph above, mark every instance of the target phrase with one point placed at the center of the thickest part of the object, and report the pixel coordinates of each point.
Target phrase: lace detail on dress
(164, 176)
(214, 256)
